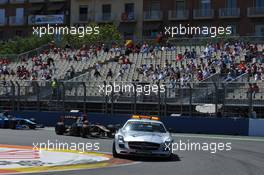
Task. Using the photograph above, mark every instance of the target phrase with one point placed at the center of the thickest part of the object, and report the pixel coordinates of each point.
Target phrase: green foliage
(20, 45)
(107, 34)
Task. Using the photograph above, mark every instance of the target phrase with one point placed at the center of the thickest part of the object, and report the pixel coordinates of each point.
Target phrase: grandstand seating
(86, 68)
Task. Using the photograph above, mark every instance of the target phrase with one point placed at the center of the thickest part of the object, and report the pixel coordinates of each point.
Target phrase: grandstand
(230, 75)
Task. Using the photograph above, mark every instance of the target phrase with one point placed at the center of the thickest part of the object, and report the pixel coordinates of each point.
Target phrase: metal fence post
(84, 97)
(135, 98)
(63, 97)
(106, 99)
(13, 96)
(250, 105)
(190, 100)
(159, 103)
(18, 96)
(165, 101)
(216, 98)
(224, 99)
(112, 99)
(38, 94)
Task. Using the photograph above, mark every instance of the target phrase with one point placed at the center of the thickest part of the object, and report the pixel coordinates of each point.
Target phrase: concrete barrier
(204, 125)
(256, 127)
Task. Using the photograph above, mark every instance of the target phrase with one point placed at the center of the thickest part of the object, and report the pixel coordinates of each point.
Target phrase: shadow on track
(173, 158)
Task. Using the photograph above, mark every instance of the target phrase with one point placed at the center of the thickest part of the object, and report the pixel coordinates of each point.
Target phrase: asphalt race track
(245, 158)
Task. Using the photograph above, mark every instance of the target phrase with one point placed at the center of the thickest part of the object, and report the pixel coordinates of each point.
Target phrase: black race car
(79, 126)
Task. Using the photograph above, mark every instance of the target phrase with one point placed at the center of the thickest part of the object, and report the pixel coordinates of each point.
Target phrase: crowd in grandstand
(219, 57)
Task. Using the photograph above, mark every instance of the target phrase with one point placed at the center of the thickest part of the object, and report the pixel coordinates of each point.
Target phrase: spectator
(109, 74)
(97, 73)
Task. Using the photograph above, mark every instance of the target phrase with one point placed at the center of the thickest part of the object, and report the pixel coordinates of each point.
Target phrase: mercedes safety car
(143, 136)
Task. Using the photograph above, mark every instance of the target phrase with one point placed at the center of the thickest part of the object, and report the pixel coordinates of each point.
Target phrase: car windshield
(144, 126)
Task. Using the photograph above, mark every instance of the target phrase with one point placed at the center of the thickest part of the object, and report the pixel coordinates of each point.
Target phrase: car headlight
(120, 139)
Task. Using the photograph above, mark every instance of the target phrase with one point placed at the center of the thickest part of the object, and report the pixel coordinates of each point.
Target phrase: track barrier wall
(256, 127)
(203, 125)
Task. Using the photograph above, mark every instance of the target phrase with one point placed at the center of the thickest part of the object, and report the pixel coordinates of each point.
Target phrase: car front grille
(144, 146)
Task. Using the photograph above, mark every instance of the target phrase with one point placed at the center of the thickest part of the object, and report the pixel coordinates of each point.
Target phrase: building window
(129, 7)
(180, 5)
(205, 8)
(83, 13)
(259, 3)
(154, 5)
(130, 11)
(151, 33)
(205, 4)
(106, 11)
(233, 29)
(259, 30)
(231, 3)
(2, 16)
(19, 16)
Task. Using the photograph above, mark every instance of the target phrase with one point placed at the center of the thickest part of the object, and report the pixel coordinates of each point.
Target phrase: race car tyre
(25, 127)
(115, 154)
(32, 126)
(170, 157)
(74, 131)
(59, 129)
(12, 125)
(83, 132)
(110, 135)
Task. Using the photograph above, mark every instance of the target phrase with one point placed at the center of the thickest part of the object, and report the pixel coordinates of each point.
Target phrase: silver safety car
(143, 136)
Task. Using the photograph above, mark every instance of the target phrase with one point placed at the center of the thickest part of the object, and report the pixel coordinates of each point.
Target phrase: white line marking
(219, 137)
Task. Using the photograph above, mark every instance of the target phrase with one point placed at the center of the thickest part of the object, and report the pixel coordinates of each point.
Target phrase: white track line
(219, 137)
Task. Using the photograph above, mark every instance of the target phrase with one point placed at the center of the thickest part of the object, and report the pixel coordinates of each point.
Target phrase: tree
(20, 45)
(107, 33)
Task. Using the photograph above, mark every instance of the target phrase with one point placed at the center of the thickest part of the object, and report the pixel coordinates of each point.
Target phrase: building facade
(17, 17)
(126, 14)
(136, 19)
(139, 19)
(246, 17)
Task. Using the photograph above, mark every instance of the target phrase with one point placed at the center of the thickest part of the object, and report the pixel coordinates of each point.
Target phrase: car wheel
(83, 133)
(115, 154)
(59, 129)
(170, 157)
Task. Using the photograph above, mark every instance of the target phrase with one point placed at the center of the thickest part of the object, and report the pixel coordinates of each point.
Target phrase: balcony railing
(17, 1)
(153, 16)
(229, 13)
(31, 19)
(104, 17)
(57, 0)
(83, 17)
(16, 20)
(128, 17)
(36, 1)
(203, 14)
(255, 12)
(3, 1)
(3, 22)
(179, 15)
